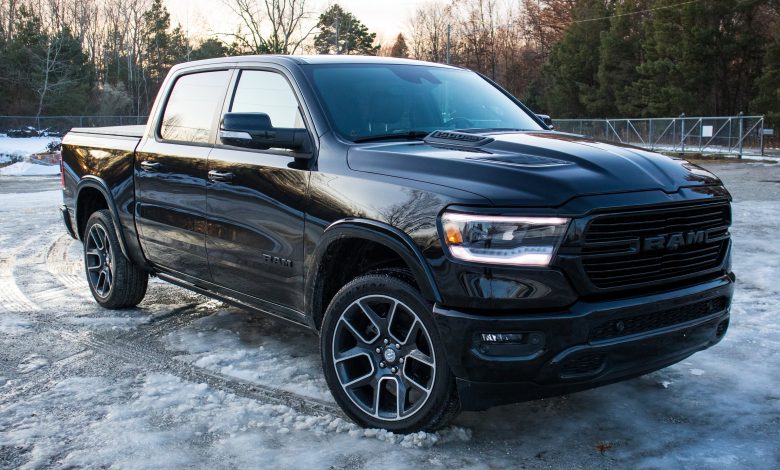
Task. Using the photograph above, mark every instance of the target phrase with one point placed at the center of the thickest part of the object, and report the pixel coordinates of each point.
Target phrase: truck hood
(531, 169)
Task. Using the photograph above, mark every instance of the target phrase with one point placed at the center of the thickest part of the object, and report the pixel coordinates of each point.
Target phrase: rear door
(256, 201)
(170, 174)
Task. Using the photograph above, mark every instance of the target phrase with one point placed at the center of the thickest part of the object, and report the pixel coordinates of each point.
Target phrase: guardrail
(735, 135)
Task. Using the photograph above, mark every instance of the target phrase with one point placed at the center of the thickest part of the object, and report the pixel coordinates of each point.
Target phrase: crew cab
(451, 250)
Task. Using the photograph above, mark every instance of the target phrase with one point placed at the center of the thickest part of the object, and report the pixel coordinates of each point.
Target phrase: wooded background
(567, 58)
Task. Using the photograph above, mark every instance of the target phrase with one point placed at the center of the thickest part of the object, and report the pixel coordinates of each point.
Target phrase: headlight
(519, 241)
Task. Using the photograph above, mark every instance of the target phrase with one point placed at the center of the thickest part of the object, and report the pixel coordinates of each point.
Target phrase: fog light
(502, 338)
(525, 344)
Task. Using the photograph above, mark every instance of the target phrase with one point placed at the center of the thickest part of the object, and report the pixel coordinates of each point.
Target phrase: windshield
(364, 100)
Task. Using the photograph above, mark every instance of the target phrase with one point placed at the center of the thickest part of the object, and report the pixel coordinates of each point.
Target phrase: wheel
(114, 280)
(383, 358)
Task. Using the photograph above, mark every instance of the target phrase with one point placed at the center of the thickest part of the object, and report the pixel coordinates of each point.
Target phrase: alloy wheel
(384, 357)
(100, 267)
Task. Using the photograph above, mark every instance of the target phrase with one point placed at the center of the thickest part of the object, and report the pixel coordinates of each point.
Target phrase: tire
(378, 333)
(115, 282)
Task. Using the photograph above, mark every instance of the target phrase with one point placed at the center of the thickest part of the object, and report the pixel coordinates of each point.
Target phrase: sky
(387, 18)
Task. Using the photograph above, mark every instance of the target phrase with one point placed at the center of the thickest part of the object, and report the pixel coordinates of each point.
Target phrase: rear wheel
(114, 280)
(383, 358)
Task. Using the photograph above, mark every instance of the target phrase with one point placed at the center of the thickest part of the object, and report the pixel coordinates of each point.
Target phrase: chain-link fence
(740, 135)
(736, 135)
(62, 124)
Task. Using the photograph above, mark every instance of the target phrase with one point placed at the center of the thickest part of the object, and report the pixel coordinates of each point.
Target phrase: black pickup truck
(450, 249)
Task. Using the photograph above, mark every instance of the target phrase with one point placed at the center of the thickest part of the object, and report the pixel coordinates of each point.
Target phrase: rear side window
(192, 106)
(267, 92)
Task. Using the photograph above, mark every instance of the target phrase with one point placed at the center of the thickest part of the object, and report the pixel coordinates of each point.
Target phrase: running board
(233, 301)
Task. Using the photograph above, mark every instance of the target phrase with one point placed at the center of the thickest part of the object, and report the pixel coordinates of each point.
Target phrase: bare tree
(285, 21)
(428, 28)
(54, 76)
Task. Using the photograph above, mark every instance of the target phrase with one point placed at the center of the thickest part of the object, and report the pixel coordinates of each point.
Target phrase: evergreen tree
(44, 73)
(209, 49)
(767, 100)
(619, 56)
(570, 78)
(700, 58)
(342, 33)
(399, 49)
(29, 41)
(162, 47)
(65, 76)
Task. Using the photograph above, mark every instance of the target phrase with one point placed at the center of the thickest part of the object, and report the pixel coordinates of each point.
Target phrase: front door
(256, 201)
(170, 175)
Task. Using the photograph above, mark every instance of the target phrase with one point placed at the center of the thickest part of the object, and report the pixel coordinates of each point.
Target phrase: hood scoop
(457, 140)
(523, 160)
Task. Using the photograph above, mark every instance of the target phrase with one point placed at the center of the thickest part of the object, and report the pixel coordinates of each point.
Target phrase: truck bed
(120, 131)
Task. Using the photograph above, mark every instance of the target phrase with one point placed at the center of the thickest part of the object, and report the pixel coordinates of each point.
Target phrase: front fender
(378, 232)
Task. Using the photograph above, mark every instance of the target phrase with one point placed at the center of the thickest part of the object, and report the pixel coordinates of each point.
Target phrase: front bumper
(588, 345)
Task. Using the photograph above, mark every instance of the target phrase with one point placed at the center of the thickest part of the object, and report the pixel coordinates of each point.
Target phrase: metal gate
(735, 135)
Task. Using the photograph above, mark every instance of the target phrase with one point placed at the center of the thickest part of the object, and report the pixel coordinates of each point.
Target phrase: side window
(192, 105)
(267, 92)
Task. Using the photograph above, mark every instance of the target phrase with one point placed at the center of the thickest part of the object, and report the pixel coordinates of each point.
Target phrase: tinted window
(362, 100)
(270, 93)
(192, 105)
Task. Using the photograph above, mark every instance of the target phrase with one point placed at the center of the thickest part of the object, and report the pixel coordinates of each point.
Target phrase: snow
(14, 325)
(17, 151)
(23, 147)
(12, 202)
(129, 417)
(30, 169)
(238, 344)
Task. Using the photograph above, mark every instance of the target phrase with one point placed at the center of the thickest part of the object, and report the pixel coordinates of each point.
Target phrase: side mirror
(547, 120)
(255, 131)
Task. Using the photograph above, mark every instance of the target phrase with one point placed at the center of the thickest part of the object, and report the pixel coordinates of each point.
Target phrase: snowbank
(23, 147)
(30, 169)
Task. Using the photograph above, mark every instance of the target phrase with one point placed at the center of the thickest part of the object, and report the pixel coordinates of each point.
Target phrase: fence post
(741, 130)
(650, 137)
(761, 134)
(682, 134)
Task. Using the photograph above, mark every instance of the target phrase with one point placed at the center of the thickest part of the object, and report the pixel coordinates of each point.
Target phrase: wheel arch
(371, 231)
(86, 191)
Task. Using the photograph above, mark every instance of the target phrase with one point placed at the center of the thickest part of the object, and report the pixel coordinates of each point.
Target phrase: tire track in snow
(152, 360)
(11, 297)
(66, 272)
(44, 378)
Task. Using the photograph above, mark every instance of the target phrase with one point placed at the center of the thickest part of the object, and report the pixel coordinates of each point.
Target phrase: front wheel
(114, 280)
(383, 359)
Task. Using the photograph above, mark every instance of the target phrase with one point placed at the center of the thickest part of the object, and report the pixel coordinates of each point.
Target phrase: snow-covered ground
(24, 146)
(184, 381)
(30, 169)
(14, 153)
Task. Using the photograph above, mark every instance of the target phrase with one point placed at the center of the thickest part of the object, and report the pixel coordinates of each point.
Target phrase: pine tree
(209, 49)
(700, 58)
(570, 78)
(767, 100)
(399, 49)
(162, 48)
(619, 56)
(342, 33)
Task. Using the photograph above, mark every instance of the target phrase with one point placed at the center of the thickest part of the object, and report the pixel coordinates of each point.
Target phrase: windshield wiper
(414, 135)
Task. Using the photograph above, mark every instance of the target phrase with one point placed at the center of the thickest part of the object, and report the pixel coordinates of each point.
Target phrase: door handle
(150, 166)
(222, 176)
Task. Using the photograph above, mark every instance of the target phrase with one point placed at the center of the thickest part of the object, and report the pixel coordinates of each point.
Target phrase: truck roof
(312, 59)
